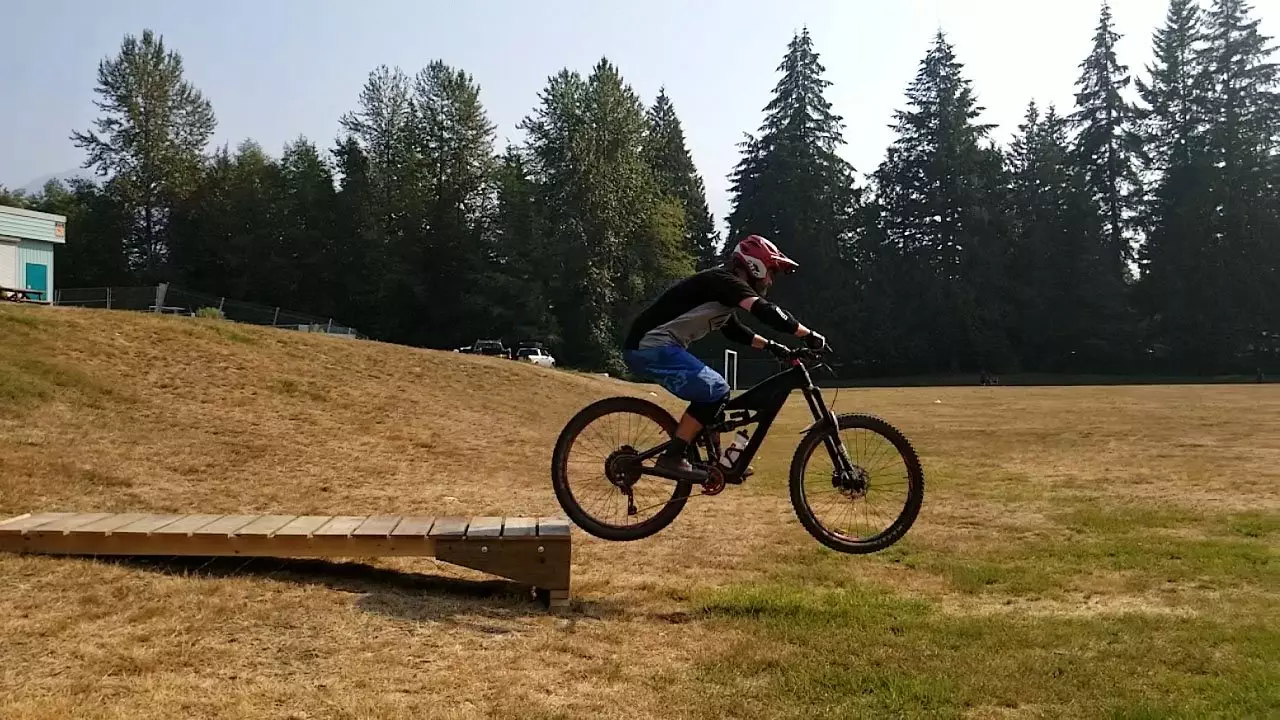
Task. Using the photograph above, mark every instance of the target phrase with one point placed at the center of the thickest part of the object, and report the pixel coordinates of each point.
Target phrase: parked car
(485, 347)
(536, 355)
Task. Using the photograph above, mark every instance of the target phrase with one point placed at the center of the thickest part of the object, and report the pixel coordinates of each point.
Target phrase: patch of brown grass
(117, 411)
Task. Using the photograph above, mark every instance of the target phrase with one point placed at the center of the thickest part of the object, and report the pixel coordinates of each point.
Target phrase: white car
(537, 356)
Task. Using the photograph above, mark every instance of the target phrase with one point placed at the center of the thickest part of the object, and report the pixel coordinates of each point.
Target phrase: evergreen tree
(94, 255)
(1070, 309)
(451, 184)
(618, 240)
(1173, 120)
(307, 256)
(228, 229)
(792, 187)
(1106, 142)
(150, 139)
(523, 268)
(1173, 291)
(665, 151)
(13, 198)
(554, 131)
(1242, 134)
(381, 124)
(361, 259)
(939, 191)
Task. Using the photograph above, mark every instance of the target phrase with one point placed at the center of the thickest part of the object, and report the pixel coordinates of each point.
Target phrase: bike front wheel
(595, 485)
(889, 486)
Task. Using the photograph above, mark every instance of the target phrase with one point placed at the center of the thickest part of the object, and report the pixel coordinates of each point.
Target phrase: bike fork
(834, 443)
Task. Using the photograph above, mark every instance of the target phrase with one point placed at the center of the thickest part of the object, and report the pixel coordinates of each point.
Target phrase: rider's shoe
(671, 462)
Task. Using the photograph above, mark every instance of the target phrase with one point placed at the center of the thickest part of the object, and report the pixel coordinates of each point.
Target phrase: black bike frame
(760, 405)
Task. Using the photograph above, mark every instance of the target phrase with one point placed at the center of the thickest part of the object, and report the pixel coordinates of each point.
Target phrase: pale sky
(277, 69)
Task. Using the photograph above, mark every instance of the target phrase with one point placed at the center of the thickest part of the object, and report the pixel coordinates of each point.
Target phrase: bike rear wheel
(893, 485)
(590, 444)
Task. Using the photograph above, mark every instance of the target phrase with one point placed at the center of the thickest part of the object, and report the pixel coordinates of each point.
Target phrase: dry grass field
(1082, 552)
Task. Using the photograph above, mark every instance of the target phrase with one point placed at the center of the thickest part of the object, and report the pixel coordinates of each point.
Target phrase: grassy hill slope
(109, 410)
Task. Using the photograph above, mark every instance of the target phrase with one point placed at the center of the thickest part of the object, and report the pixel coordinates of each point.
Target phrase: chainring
(715, 482)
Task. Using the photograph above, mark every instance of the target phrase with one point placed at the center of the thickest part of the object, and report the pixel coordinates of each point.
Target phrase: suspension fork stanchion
(835, 445)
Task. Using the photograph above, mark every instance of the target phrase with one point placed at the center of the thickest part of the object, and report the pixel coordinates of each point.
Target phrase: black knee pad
(706, 412)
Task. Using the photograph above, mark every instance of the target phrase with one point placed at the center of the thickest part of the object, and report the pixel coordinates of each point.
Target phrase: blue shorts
(677, 370)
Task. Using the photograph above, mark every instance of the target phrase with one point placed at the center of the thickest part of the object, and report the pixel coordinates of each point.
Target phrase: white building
(27, 238)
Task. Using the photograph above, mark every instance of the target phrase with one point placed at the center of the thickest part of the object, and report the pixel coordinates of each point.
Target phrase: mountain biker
(656, 344)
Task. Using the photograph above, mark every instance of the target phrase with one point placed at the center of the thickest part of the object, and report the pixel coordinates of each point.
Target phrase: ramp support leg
(542, 565)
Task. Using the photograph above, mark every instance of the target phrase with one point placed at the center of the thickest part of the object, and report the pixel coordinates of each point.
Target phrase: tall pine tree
(1069, 309)
(451, 181)
(941, 209)
(792, 186)
(381, 124)
(1106, 143)
(618, 239)
(1176, 210)
(1242, 142)
(666, 153)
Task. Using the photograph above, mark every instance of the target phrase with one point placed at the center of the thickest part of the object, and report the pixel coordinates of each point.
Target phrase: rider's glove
(815, 341)
(778, 349)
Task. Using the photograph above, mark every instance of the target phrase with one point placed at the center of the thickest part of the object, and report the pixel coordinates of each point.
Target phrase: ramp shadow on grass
(394, 593)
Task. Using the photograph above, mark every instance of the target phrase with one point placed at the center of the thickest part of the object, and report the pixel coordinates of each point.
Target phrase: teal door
(38, 278)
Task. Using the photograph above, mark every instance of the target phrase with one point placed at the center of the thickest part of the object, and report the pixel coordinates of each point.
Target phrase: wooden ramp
(532, 551)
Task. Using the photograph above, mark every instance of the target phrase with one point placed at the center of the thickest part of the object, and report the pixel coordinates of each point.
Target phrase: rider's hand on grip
(815, 341)
(778, 349)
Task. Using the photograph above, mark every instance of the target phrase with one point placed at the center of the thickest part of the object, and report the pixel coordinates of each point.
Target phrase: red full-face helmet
(762, 259)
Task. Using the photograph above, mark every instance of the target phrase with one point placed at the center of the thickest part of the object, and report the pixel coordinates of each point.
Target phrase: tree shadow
(393, 593)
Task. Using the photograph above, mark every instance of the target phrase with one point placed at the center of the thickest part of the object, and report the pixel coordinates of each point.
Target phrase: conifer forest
(1137, 231)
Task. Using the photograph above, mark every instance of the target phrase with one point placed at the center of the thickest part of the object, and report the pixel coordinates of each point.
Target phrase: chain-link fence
(166, 298)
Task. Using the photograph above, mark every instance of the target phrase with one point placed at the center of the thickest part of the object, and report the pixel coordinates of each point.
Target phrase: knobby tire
(915, 485)
(560, 459)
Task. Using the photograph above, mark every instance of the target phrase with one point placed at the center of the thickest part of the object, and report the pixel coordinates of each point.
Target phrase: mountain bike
(624, 461)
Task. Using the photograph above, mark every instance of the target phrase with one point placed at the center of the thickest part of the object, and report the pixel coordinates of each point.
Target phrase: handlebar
(800, 354)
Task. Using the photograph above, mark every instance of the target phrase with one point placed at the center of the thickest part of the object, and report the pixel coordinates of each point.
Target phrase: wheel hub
(852, 484)
(621, 467)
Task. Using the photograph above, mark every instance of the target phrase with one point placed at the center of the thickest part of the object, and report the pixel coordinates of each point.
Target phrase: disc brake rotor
(853, 484)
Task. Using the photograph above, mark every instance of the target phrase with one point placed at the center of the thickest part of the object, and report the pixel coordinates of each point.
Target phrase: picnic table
(21, 295)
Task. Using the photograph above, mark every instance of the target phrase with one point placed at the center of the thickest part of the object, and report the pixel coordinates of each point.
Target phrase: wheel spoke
(593, 491)
(837, 516)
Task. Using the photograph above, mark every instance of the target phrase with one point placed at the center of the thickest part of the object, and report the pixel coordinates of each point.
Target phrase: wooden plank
(71, 523)
(340, 525)
(303, 525)
(265, 526)
(14, 519)
(485, 527)
(517, 527)
(30, 522)
(413, 526)
(107, 524)
(450, 527)
(226, 525)
(187, 525)
(147, 525)
(553, 527)
(377, 526)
